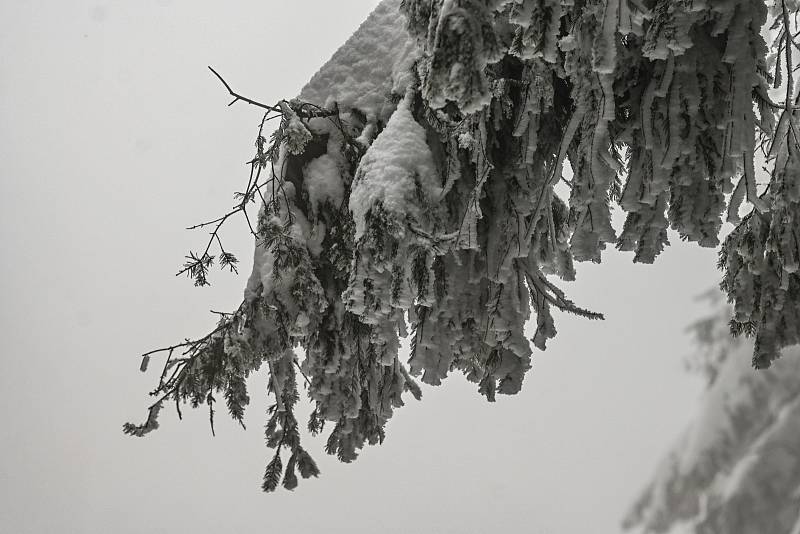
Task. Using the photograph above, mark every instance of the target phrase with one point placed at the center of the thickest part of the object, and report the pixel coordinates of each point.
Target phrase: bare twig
(237, 97)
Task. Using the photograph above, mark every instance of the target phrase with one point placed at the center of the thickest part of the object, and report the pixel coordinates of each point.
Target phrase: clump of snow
(323, 181)
(297, 135)
(466, 141)
(395, 166)
(373, 64)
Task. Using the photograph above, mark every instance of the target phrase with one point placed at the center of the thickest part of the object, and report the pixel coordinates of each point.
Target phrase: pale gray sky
(113, 138)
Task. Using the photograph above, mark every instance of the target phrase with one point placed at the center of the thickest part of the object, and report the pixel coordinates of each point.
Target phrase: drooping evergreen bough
(415, 189)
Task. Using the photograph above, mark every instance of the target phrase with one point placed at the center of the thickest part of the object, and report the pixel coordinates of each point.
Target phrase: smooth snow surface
(373, 64)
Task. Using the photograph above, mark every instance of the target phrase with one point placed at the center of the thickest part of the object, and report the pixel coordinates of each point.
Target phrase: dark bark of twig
(238, 97)
(301, 109)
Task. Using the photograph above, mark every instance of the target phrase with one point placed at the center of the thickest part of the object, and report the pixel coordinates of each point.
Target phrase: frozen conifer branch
(411, 190)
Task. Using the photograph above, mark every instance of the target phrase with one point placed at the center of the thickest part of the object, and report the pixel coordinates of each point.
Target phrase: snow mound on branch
(396, 168)
(373, 64)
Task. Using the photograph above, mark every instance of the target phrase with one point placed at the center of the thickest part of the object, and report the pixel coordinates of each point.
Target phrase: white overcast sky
(113, 138)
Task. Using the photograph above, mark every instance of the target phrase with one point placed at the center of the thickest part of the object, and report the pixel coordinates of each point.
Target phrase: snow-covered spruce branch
(419, 193)
(201, 370)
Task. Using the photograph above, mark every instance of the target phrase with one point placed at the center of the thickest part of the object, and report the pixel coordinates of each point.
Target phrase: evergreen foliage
(413, 190)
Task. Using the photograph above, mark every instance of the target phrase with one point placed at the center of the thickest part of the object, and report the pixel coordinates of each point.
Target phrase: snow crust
(397, 163)
(374, 63)
(735, 469)
(323, 180)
